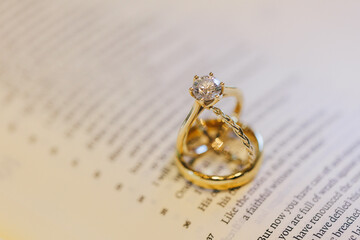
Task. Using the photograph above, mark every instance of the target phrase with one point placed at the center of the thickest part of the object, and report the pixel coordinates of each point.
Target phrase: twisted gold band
(237, 130)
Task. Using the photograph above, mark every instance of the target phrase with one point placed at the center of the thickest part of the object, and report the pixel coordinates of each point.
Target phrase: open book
(92, 96)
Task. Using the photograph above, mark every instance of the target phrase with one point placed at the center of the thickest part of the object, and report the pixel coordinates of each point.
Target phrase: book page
(93, 94)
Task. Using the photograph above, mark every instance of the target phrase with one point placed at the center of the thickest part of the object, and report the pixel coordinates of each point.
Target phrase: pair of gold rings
(209, 154)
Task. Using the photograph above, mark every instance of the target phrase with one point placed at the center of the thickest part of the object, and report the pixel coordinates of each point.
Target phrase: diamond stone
(206, 88)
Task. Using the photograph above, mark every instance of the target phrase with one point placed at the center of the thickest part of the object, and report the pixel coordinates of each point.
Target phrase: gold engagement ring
(209, 154)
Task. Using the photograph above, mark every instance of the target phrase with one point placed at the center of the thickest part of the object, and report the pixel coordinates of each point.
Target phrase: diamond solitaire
(206, 88)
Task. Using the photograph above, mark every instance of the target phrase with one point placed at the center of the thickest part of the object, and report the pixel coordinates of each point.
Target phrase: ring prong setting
(207, 90)
(191, 92)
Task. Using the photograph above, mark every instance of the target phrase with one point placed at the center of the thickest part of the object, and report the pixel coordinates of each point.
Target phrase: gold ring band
(229, 181)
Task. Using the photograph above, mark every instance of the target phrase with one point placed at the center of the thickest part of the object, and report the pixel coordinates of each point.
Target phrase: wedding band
(207, 91)
(237, 179)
